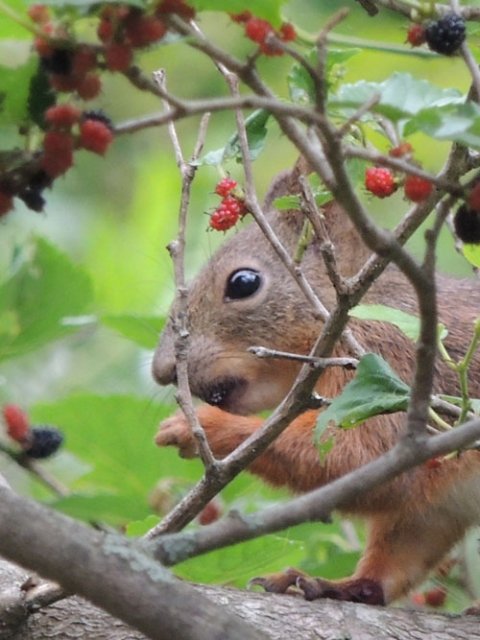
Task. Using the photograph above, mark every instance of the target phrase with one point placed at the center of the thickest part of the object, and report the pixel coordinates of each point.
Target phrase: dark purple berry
(59, 62)
(33, 199)
(44, 441)
(467, 224)
(99, 115)
(446, 34)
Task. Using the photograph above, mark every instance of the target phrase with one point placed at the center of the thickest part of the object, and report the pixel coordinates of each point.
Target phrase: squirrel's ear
(350, 250)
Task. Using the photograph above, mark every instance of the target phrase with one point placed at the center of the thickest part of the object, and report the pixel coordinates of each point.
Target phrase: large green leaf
(400, 96)
(143, 330)
(14, 22)
(39, 297)
(114, 436)
(376, 389)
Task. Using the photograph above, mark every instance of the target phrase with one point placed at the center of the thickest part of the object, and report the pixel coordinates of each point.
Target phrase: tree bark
(276, 617)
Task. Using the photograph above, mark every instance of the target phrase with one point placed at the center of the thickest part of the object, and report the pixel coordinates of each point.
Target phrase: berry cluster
(381, 182)
(230, 210)
(94, 134)
(121, 29)
(262, 32)
(444, 35)
(434, 597)
(467, 217)
(36, 441)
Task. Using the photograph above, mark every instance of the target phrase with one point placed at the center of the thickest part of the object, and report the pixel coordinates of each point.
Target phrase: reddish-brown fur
(413, 520)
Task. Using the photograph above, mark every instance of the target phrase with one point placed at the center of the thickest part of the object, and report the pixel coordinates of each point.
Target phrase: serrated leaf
(143, 330)
(376, 389)
(44, 289)
(399, 97)
(408, 324)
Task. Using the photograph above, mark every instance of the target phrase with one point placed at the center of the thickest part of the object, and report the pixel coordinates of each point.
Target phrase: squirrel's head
(243, 297)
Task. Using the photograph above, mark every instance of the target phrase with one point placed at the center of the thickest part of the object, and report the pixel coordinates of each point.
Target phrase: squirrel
(245, 296)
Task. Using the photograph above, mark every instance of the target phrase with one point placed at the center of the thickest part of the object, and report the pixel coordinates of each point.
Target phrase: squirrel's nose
(163, 369)
(163, 365)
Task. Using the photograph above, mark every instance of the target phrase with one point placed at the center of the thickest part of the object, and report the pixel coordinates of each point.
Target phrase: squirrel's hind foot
(363, 590)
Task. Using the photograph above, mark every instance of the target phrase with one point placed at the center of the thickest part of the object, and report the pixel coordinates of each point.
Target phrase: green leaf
(14, 22)
(237, 564)
(138, 528)
(114, 436)
(143, 330)
(111, 509)
(472, 253)
(400, 97)
(284, 203)
(40, 97)
(14, 92)
(266, 9)
(376, 389)
(408, 324)
(256, 128)
(36, 301)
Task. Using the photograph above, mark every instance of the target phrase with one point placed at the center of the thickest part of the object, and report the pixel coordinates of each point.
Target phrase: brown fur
(413, 520)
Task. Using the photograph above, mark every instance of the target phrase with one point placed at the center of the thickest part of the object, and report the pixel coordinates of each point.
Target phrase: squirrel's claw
(175, 432)
(280, 582)
(294, 581)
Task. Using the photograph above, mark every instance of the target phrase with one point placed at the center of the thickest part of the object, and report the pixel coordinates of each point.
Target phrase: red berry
(84, 60)
(89, 87)
(6, 203)
(105, 30)
(118, 57)
(57, 142)
(95, 136)
(474, 197)
(418, 599)
(178, 7)
(62, 115)
(142, 30)
(227, 214)
(257, 29)
(43, 47)
(287, 32)
(403, 149)
(210, 512)
(39, 13)
(417, 189)
(58, 153)
(244, 16)
(17, 422)
(380, 181)
(63, 83)
(224, 187)
(435, 597)
(416, 35)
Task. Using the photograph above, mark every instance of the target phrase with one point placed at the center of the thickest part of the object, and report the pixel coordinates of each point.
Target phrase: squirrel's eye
(242, 284)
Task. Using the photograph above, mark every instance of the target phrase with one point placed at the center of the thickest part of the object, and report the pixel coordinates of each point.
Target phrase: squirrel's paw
(292, 581)
(175, 432)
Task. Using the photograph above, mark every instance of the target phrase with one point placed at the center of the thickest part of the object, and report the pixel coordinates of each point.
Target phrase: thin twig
(263, 352)
(177, 252)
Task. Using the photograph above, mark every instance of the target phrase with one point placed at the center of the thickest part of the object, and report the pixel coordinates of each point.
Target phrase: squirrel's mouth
(224, 393)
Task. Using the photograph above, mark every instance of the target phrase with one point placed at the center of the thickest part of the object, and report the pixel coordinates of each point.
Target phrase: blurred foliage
(86, 285)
